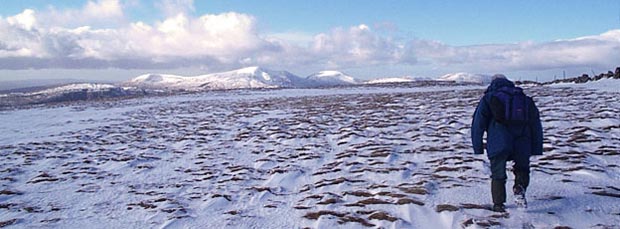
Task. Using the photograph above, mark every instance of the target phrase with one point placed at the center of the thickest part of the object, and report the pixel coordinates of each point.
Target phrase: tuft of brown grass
(446, 207)
(382, 216)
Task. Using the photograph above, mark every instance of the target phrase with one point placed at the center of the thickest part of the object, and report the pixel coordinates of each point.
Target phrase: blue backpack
(509, 105)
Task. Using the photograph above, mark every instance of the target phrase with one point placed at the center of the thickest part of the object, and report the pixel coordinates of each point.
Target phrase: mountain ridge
(244, 78)
(464, 77)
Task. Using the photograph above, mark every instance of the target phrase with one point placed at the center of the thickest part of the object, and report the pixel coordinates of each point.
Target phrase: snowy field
(296, 158)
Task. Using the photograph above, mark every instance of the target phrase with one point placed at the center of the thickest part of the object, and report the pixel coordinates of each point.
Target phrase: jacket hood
(499, 83)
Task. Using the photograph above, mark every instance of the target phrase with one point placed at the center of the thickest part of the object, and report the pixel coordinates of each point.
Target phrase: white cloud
(103, 9)
(18, 37)
(219, 41)
(601, 51)
(25, 20)
(104, 13)
(222, 39)
(223, 36)
(358, 45)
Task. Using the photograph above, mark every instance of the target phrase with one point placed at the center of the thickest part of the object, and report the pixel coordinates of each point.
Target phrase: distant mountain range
(69, 92)
(245, 78)
(39, 84)
(405, 79)
(28, 92)
(463, 77)
(251, 77)
(258, 77)
(330, 78)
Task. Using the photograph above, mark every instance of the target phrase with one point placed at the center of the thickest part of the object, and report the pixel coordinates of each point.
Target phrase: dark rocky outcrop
(607, 75)
(583, 79)
(579, 79)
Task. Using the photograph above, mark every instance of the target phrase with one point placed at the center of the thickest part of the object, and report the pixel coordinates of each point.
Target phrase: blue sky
(368, 39)
(453, 22)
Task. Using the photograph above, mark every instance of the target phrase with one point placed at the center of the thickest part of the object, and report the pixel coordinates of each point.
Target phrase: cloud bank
(103, 37)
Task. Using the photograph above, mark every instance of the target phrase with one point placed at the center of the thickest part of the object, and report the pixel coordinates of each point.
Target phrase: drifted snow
(322, 158)
(610, 85)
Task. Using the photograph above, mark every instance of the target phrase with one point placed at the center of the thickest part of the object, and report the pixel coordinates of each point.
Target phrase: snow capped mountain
(331, 78)
(155, 79)
(466, 77)
(250, 77)
(67, 93)
(76, 87)
(33, 83)
(404, 79)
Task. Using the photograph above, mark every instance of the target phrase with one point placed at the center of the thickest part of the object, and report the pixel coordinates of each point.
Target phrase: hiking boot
(499, 208)
(498, 191)
(519, 195)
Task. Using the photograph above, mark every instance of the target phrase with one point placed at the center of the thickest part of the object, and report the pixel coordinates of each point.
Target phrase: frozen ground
(610, 85)
(347, 158)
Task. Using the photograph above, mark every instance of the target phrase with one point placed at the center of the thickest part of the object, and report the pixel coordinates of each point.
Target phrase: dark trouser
(521, 170)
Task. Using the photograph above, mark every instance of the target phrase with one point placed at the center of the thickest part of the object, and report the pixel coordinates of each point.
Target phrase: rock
(617, 75)
(583, 79)
(446, 207)
(8, 222)
(382, 216)
(610, 74)
(599, 76)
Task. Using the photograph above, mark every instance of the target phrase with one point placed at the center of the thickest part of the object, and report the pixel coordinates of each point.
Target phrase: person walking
(514, 133)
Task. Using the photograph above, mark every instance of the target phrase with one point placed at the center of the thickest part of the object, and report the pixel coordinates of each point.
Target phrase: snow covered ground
(610, 85)
(295, 158)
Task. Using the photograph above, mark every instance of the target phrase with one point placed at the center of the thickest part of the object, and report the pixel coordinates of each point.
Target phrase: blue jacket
(522, 140)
